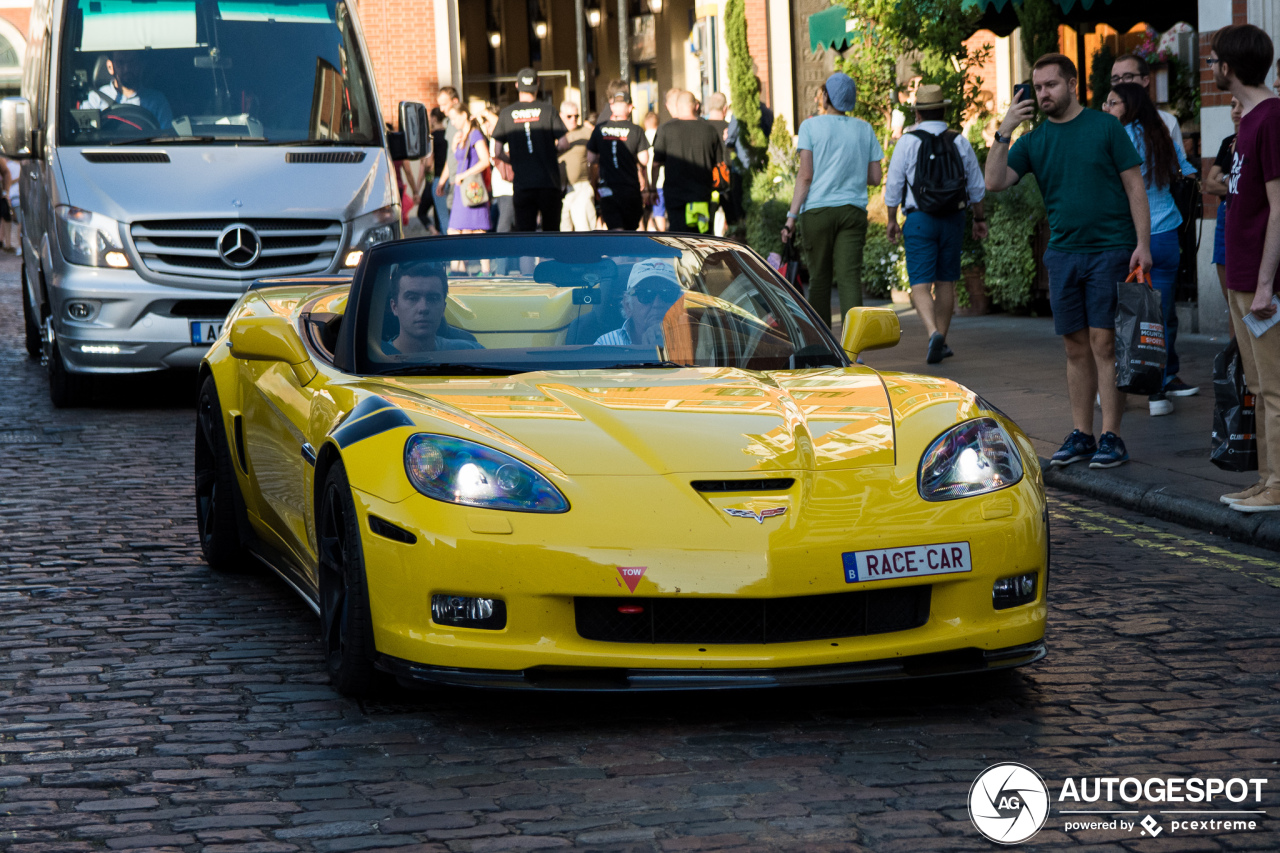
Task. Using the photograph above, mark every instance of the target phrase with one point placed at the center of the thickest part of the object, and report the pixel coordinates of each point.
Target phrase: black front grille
(125, 156)
(324, 157)
(752, 620)
(770, 484)
(199, 308)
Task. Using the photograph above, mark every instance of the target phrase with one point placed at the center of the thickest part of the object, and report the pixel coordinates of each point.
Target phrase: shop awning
(827, 29)
(999, 16)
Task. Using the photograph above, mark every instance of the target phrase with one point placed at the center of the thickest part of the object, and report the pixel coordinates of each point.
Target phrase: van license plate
(205, 331)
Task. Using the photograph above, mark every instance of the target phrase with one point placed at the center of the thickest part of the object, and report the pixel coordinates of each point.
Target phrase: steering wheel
(128, 118)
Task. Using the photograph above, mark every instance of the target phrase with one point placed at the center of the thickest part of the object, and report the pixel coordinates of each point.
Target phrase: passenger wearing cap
(839, 158)
(652, 289)
(618, 153)
(419, 292)
(528, 134)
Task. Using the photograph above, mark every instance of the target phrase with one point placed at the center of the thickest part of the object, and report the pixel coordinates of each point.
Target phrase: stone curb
(1260, 529)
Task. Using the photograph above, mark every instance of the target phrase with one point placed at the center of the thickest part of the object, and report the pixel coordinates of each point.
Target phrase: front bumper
(600, 679)
(133, 327)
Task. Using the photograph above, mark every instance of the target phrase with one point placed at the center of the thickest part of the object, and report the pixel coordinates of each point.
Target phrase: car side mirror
(410, 141)
(870, 328)
(271, 339)
(15, 128)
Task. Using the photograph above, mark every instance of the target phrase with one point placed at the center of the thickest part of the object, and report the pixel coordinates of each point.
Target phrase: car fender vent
(125, 156)
(324, 157)
(387, 530)
(769, 484)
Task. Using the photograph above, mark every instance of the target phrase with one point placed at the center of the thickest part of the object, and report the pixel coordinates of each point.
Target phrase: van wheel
(31, 320)
(67, 390)
(346, 625)
(217, 492)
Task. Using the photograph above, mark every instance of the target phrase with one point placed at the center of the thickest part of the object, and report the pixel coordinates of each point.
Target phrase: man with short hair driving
(126, 73)
(418, 297)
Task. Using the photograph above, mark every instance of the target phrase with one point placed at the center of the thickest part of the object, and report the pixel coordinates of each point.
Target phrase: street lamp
(593, 17)
(540, 29)
(655, 6)
(495, 39)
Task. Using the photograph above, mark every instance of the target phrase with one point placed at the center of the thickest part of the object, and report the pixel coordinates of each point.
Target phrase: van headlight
(972, 458)
(380, 226)
(462, 472)
(89, 239)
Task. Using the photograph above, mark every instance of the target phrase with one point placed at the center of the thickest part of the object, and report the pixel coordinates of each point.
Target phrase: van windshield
(216, 71)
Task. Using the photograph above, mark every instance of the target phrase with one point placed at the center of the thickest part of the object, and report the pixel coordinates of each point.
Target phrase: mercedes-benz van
(173, 151)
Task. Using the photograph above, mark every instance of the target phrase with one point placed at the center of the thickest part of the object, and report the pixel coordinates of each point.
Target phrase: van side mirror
(870, 328)
(15, 128)
(410, 141)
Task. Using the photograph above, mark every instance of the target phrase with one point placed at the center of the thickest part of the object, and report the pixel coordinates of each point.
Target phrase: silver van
(175, 150)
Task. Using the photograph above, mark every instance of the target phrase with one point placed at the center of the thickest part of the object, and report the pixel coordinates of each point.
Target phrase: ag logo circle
(1008, 803)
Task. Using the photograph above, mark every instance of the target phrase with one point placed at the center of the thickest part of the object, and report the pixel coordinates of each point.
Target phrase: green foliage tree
(1100, 75)
(1039, 21)
(771, 192)
(744, 87)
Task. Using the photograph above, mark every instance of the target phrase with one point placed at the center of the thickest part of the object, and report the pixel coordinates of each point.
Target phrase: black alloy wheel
(31, 320)
(346, 625)
(217, 491)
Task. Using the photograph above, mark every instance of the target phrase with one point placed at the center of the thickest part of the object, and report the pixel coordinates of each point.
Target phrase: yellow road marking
(1187, 550)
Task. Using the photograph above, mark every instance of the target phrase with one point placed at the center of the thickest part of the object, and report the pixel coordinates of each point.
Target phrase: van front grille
(189, 247)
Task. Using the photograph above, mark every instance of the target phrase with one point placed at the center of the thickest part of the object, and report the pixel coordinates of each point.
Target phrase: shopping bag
(1140, 349)
(1235, 442)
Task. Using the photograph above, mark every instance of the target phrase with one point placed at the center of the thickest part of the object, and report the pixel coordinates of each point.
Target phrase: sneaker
(1160, 405)
(1267, 500)
(936, 345)
(1077, 447)
(1111, 452)
(1178, 388)
(1236, 497)
(946, 350)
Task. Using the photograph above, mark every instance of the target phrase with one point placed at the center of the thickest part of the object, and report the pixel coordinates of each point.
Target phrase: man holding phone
(1100, 229)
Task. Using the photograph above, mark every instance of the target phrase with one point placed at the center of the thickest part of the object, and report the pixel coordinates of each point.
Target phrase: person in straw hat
(934, 199)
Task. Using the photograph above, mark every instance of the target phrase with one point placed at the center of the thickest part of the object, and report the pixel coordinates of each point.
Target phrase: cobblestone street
(148, 703)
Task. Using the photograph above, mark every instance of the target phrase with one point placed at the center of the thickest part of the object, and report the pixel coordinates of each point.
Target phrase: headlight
(972, 458)
(90, 239)
(463, 472)
(369, 230)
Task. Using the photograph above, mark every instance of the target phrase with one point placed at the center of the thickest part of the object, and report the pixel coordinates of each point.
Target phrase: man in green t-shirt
(1091, 178)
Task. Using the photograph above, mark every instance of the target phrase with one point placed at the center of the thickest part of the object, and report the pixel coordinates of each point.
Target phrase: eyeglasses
(1211, 61)
(1124, 78)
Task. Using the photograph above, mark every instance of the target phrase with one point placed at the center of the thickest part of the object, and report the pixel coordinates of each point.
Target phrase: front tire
(67, 390)
(346, 625)
(217, 492)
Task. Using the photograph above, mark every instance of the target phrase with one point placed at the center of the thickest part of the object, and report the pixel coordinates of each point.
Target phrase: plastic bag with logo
(1235, 442)
(1140, 348)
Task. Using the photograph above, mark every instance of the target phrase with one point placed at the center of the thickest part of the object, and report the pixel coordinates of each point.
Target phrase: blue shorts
(1220, 236)
(660, 206)
(1082, 288)
(933, 246)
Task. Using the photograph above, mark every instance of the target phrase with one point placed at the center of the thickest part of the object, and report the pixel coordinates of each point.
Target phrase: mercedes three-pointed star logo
(239, 246)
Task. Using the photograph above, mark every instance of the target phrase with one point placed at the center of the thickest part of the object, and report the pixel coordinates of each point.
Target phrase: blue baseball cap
(842, 91)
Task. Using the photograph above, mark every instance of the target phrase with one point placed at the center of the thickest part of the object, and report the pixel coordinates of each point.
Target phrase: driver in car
(418, 297)
(126, 75)
(645, 303)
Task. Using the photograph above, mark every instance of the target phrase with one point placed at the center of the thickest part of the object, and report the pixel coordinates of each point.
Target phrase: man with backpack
(935, 177)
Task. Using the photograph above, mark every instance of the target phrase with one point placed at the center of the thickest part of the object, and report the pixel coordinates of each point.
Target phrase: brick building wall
(402, 43)
(1211, 95)
(758, 42)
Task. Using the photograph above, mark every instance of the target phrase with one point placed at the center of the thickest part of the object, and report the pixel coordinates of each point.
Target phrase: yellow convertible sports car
(611, 461)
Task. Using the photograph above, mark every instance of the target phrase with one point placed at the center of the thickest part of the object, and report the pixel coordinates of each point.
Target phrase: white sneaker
(1160, 405)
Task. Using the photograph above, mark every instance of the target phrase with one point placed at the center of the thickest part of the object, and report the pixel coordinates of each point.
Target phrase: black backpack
(940, 186)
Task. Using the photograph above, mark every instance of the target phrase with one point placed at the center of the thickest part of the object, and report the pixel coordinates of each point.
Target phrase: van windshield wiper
(185, 140)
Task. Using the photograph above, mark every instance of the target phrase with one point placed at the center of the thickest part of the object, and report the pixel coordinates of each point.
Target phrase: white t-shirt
(498, 185)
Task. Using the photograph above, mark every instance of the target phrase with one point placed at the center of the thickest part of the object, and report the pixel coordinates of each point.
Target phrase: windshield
(234, 71)
(511, 304)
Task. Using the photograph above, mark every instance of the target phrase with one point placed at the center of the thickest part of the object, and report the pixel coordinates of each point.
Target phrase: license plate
(912, 562)
(205, 331)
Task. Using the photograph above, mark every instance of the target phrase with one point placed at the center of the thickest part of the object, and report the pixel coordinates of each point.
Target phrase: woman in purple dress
(473, 161)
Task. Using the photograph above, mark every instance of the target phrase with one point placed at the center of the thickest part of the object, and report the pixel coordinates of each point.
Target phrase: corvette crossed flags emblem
(758, 516)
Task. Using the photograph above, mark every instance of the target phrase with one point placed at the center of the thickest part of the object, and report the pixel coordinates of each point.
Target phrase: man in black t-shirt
(689, 150)
(529, 131)
(619, 149)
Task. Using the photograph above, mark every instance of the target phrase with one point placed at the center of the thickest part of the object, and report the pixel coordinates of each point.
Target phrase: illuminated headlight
(380, 226)
(461, 611)
(972, 458)
(89, 239)
(1010, 592)
(463, 472)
